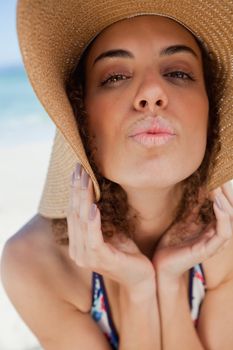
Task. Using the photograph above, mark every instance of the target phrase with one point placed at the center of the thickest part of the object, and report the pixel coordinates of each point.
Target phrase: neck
(155, 212)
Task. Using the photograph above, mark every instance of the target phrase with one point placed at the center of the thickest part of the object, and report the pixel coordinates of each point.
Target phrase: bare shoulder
(33, 241)
(33, 254)
(51, 294)
(29, 246)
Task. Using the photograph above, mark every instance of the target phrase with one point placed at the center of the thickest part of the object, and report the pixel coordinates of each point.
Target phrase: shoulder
(48, 290)
(32, 246)
(33, 257)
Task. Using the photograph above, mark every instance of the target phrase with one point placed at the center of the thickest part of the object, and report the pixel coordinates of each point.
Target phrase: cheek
(199, 113)
(96, 112)
(196, 124)
(194, 110)
(106, 113)
(104, 126)
(101, 120)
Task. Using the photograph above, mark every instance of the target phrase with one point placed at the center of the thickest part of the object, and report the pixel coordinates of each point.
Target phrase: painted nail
(73, 179)
(78, 169)
(218, 202)
(92, 211)
(84, 179)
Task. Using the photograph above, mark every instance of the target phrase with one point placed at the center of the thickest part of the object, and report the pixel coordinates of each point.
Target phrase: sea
(22, 117)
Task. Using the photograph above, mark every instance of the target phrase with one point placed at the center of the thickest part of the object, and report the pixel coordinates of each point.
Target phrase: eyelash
(111, 76)
(186, 76)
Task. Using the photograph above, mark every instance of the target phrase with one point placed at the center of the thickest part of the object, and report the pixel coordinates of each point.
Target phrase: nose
(151, 95)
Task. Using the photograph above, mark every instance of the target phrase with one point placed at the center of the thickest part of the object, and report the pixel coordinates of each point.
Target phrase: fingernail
(218, 202)
(78, 171)
(92, 211)
(84, 179)
(73, 178)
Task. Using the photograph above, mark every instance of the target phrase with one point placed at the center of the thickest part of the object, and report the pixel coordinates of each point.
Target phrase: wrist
(170, 283)
(142, 291)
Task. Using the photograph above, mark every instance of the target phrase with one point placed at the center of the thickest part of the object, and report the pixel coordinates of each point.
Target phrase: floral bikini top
(101, 313)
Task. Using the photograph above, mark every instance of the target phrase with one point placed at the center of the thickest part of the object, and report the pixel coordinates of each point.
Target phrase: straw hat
(53, 34)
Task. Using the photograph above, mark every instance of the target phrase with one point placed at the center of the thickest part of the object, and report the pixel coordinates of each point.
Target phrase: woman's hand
(173, 260)
(119, 259)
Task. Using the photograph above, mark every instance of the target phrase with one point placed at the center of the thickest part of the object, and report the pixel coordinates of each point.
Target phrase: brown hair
(113, 205)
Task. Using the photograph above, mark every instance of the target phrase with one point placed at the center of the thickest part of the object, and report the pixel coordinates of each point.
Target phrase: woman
(148, 102)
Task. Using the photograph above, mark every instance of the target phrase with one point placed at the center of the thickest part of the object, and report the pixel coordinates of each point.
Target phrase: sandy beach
(23, 171)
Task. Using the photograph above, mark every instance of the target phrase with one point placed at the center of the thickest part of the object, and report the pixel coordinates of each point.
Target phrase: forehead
(142, 30)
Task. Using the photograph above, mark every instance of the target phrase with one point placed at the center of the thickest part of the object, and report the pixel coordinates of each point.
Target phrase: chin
(147, 182)
(150, 174)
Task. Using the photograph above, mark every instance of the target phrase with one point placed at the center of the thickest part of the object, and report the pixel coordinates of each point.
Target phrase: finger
(227, 189)
(74, 233)
(74, 198)
(73, 208)
(100, 256)
(75, 229)
(81, 197)
(86, 196)
(214, 193)
(223, 230)
(224, 193)
(226, 206)
(212, 241)
(223, 222)
(94, 232)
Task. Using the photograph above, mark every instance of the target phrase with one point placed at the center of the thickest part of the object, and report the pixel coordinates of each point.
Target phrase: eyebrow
(170, 50)
(167, 51)
(114, 53)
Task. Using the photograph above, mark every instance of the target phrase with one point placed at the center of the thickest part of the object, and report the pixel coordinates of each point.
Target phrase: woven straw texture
(53, 34)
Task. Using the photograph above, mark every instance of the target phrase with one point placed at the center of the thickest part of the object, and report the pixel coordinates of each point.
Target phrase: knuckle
(94, 246)
(83, 194)
(80, 262)
(72, 215)
(83, 224)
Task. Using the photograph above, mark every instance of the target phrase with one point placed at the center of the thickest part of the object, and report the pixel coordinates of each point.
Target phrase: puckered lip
(153, 126)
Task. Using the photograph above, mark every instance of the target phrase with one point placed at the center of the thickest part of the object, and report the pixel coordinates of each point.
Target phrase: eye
(180, 75)
(114, 78)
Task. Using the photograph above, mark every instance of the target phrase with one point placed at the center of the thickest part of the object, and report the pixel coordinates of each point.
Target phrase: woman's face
(146, 102)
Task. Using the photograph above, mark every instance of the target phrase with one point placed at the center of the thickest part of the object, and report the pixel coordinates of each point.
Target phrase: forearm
(139, 322)
(177, 328)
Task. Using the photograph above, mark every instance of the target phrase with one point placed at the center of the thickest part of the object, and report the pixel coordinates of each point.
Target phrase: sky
(9, 48)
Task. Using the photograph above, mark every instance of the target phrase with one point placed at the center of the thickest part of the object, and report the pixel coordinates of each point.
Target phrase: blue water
(22, 118)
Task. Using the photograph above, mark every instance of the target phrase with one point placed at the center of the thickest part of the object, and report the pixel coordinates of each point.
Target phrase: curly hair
(113, 204)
